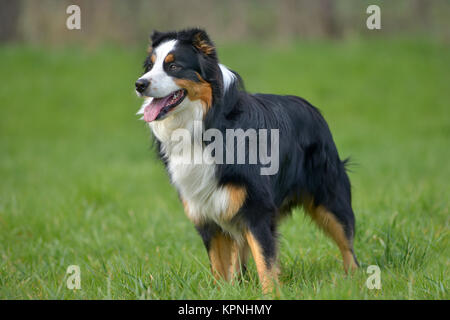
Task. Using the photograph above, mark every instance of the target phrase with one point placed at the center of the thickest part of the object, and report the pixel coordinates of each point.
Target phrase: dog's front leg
(223, 251)
(262, 243)
(220, 252)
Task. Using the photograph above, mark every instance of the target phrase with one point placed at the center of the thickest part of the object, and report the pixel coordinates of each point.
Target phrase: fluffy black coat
(310, 168)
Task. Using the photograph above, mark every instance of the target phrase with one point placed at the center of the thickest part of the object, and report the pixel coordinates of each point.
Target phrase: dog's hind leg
(329, 205)
(341, 234)
(338, 224)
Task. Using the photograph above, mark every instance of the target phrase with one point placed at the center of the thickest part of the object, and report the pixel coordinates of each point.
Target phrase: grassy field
(80, 184)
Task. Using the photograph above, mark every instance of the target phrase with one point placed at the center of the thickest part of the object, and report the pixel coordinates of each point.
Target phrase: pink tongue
(154, 108)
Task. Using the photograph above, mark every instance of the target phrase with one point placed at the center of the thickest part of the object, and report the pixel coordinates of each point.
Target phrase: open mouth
(159, 107)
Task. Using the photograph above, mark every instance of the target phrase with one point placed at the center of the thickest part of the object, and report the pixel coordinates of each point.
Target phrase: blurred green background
(81, 185)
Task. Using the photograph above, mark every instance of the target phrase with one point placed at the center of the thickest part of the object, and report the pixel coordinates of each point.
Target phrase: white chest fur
(197, 184)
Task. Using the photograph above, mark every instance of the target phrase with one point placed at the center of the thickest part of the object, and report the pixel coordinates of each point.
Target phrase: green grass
(80, 184)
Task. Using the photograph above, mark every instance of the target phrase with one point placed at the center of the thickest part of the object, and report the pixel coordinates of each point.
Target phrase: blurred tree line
(127, 22)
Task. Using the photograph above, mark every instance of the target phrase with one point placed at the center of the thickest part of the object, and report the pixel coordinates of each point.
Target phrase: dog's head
(181, 67)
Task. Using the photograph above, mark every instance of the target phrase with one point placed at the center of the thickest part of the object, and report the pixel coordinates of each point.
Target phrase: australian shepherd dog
(236, 206)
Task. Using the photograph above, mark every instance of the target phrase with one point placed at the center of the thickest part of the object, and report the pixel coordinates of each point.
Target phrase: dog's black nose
(141, 85)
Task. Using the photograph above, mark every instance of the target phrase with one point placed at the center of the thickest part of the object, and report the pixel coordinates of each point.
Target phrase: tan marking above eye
(169, 58)
(153, 58)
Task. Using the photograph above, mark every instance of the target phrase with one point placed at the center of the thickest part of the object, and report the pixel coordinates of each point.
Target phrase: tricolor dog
(234, 207)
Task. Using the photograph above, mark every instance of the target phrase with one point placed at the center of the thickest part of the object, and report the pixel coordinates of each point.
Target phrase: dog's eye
(174, 67)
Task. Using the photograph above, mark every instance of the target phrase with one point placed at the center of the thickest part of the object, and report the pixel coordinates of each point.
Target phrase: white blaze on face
(161, 84)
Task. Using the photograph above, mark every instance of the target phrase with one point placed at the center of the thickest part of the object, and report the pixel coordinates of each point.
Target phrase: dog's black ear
(156, 37)
(201, 41)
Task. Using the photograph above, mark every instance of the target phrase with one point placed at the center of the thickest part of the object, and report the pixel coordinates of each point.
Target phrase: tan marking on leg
(239, 255)
(333, 228)
(267, 276)
(237, 196)
(220, 255)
